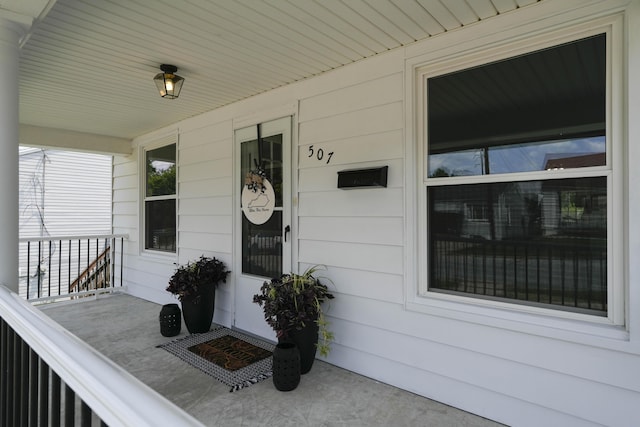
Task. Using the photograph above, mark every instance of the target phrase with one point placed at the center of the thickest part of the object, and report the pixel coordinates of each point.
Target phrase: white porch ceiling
(87, 66)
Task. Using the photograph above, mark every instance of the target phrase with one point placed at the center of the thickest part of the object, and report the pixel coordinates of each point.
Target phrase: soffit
(87, 66)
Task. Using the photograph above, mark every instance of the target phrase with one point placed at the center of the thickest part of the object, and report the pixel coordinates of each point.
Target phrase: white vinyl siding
(205, 203)
(349, 230)
(69, 192)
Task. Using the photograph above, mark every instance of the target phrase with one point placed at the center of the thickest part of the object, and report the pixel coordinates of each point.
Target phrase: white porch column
(9, 57)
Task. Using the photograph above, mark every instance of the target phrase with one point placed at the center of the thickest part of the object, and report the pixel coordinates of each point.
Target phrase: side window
(160, 199)
(517, 179)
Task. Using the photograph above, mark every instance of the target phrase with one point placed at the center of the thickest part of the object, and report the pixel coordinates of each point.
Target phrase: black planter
(286, 366)
(199, 315)
(306, 339)
(170, 320)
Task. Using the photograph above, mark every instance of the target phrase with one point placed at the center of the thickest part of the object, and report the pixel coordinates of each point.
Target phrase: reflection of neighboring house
(265, 241)
(523, 210)
(517, 212)
(514, 210)
(562, 161)
(589, 211)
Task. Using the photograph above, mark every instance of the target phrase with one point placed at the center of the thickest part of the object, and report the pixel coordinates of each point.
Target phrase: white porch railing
(63, 267)
(49, 375)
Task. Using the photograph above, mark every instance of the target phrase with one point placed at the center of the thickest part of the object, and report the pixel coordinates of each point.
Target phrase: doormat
(233, 358)
(230, 352)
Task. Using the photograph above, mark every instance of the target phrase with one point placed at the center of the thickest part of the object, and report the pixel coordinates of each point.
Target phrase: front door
(263, 219)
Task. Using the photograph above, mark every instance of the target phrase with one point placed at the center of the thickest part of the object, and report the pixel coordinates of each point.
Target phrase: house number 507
(319, 154)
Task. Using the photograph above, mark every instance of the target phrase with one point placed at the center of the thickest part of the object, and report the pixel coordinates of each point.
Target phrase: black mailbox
(371, 177)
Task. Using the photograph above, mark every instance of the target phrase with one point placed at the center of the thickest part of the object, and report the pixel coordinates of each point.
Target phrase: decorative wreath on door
(254, 180)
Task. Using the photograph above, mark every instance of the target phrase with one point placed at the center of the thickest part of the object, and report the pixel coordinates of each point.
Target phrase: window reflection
(161, 171)
(527, 157)
(160, 199)
(541, 110)
(538, 241)
(160, 225)
(262, 247)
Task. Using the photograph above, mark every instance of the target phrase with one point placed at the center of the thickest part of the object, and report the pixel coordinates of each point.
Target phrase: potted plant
(195, 284)
(292, 306)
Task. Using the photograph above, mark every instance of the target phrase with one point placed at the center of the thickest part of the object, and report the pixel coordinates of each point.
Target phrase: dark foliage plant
(188, 279)
(293, 300)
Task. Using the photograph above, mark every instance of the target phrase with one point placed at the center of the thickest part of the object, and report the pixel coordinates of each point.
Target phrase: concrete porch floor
(126, 330)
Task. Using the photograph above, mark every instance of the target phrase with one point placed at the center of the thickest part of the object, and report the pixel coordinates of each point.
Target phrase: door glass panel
(262, 244)
(262, 247)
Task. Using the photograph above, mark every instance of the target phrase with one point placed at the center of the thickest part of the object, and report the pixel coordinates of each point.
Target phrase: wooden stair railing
(97, 275)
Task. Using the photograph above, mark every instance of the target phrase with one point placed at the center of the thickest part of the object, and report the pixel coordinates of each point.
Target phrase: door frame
(291, 111)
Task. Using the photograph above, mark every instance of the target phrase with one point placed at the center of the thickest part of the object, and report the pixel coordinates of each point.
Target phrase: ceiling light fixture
(168, 82)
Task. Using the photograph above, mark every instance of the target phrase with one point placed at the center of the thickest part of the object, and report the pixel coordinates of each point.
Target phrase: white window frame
(152, 144)
(546, 321)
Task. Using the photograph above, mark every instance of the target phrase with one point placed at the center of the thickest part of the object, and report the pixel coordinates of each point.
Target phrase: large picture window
(517, 179)
(160, 199)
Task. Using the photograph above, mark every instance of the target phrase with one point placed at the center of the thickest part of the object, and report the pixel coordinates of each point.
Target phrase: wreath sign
(258, 197)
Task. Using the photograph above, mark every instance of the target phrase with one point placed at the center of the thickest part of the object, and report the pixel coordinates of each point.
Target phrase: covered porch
(344, 85)
(126, 330)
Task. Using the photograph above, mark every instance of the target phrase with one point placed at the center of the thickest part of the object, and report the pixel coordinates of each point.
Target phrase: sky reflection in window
(527, 157)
